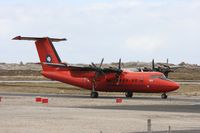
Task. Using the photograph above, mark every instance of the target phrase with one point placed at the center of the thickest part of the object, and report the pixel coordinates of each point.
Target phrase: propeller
(111, 69)
(98, 69)
(119, 69)
(101, 71)
(164, 68)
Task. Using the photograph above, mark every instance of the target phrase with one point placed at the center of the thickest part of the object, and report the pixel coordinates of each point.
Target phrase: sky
(134, 30)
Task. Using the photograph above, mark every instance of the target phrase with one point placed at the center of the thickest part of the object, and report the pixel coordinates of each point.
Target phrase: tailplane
(46, 51)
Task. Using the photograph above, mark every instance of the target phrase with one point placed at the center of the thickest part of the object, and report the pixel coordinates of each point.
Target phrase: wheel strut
(93, 93)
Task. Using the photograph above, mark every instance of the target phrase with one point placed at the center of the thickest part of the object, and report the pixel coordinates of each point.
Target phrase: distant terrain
(32, 70)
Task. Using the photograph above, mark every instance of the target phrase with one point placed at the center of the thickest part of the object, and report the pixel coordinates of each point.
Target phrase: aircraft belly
(117, 87)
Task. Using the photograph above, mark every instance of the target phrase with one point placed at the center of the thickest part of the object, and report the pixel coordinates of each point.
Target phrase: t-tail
(46, 51)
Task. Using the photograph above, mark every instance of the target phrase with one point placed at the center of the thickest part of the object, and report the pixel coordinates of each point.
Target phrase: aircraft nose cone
(175, 86)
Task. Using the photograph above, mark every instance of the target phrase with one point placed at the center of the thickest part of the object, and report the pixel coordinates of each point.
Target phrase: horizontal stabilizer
(38, 38)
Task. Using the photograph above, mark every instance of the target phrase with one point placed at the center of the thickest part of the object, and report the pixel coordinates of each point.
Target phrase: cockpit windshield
(162, 76)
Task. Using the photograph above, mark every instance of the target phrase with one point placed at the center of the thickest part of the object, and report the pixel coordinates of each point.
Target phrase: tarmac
(80, 114)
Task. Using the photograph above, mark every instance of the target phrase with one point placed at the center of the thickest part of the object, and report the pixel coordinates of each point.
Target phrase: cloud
(146, 43)
(107, 28)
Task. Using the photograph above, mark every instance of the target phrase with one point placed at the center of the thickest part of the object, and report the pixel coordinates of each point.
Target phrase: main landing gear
(164, 96)
(129, 94)
(93, 93)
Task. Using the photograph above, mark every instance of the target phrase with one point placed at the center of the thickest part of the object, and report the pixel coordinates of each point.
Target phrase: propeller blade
(153, 65)
(94, 65)
(101, 63)
(119, 67)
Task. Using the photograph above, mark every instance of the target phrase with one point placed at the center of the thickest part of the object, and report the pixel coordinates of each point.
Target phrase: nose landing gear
(164, 96)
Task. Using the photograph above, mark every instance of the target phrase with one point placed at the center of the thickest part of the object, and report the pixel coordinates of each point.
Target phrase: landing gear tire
(129, 94)
(164, 96)
(94, 94)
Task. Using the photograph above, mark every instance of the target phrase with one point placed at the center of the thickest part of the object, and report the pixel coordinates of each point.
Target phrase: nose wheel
(164, 96)
(129, 94)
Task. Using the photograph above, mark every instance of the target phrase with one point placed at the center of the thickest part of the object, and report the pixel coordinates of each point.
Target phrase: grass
(190, 90)
(22, 78)
(38, 88)
(186, 74)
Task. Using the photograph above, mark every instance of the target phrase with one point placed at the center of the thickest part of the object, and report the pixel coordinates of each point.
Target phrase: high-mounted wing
(70, 67)
(85, 68)
(84, 71)
(80, 68)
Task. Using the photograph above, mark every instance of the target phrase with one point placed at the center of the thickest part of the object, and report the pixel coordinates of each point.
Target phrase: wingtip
(64, 39)
(17, 38)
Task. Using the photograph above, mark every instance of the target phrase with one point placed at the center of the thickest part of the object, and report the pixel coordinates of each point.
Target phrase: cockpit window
(158, 76)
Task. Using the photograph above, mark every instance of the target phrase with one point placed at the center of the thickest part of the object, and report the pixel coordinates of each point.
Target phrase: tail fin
(46, 50)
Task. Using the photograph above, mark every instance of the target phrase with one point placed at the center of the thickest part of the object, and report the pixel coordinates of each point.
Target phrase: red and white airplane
(96, 78)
